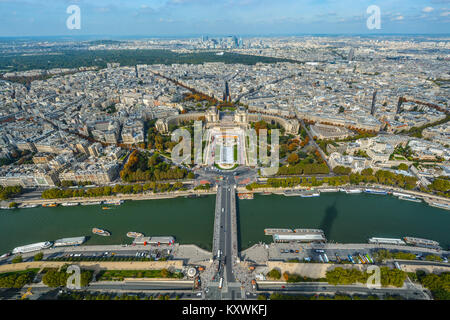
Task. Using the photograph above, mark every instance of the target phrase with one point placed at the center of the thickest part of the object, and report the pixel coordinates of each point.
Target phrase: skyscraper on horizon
(351, 54)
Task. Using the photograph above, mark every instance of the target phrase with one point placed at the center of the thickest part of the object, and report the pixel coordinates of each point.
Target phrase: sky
(221, 17)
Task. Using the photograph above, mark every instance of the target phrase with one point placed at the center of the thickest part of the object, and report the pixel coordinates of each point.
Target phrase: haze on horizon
(245, 17)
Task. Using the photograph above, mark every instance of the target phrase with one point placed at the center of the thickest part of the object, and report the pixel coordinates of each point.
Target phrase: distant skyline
(212, 17)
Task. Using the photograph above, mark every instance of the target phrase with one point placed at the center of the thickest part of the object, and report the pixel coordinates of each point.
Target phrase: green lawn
(119, 275)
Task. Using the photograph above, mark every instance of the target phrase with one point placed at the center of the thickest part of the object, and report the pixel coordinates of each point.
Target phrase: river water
(344, 218)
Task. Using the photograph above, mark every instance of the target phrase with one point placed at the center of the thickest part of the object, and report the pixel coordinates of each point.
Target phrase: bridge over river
(225, 246)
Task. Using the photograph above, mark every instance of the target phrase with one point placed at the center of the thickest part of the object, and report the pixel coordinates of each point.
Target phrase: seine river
(344, 218)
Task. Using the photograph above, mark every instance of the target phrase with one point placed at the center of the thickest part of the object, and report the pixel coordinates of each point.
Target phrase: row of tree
(303, 168)
(442, 185)
(10, 192)
(381, 255)
(439, 285)
(381, 177)
(300, 181)
(389, 277)
(205, 186)
(93, 296)
(110, 275)
(280, 296)
(56, 193)
(16, 279)
(70, 183)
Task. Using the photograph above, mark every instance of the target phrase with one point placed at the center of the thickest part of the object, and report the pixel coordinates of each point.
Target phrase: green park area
(120, 275)
(17, 279)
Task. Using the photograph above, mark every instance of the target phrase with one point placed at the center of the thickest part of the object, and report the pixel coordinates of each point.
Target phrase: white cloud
(398, 18)
(444, 14)
(427, 9)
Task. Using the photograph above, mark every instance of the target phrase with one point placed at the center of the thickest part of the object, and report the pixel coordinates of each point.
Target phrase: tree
(165, 273)
(38, 256)
(274, 274)
(293, 158)
(16, 280)
(10, 192)
(439, 285)
(17, 259)
(54, 278)
(191, 175)
(403, 166)
(440, 185)
(342, 170)
(13, 205)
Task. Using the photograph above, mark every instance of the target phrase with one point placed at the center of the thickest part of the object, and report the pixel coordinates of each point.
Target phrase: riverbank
(428, 198)
(134, 197)
(186, 253)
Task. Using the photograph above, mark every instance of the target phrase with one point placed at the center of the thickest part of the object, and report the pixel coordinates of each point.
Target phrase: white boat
(350, 191)
(329, 190)
(75, 241)
(114, 202)
(375, 191)
(376, 240)
(26, 206)
(292, 193)
(70, 204)
(92, 203)
(398, 194)
(440, 205)
(135, 235)
(310, 194)
(33, 247)
(101, 232)
(410, 198)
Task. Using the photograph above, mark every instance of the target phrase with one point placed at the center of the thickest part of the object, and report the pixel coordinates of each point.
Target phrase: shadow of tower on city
(238, 225)
(331, 214)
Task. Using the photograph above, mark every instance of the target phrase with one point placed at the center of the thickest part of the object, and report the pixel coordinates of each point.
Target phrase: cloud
(398, 18)
(427, 9)
(444, 14)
